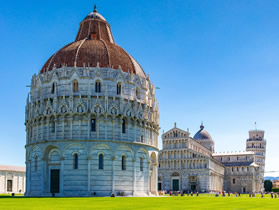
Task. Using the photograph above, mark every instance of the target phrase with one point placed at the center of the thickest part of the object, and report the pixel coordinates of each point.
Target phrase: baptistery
(92, 120)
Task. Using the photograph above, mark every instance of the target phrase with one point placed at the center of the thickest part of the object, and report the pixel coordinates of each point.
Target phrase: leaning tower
(257, 144)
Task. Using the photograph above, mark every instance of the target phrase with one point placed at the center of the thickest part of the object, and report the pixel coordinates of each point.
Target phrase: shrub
(122, 194)
(275, 189)
(113, 195)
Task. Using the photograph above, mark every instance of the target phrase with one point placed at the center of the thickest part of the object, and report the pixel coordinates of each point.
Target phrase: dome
(202, 134)
(94, 46)
(204, 138)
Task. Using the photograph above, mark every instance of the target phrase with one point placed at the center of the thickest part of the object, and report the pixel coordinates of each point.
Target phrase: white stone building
(92, 120)
(12, 179)
(190, 164)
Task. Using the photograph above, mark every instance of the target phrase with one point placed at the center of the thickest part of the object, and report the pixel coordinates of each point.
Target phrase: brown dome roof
(94, 45)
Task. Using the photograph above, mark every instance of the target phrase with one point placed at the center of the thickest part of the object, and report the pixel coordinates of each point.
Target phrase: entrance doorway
(175, 184)
(159, 186)
(193, 187)
(244, 190)
(9, 185)
(54, 180)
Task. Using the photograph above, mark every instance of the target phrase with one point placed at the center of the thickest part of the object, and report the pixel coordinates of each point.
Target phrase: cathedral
(92, 120)
(190, 164)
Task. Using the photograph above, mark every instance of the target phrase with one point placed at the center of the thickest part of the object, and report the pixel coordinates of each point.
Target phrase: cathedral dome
(202, 134)
(204, 138)
(94, 46)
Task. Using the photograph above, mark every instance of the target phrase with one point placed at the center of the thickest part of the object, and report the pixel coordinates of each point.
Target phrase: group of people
(217, 194)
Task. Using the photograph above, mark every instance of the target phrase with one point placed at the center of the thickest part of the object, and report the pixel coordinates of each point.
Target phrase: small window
(53, 88)
(123, 162)
(233, 181)
(101, 161)
(98, 87)
(75, 161)
(141, 138)
(36, 163)
(232, 169)
(237, 169)
(75, 86)
(247, 168)
(93, 125)
(141, 164)
(118, 89)
(53, 127)
(137, 93)
(242, 168)
(123, 126)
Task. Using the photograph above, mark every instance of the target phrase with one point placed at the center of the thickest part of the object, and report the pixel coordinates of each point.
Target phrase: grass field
(173, 202)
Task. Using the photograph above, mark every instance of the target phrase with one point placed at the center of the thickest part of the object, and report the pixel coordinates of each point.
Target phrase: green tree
(267, 185)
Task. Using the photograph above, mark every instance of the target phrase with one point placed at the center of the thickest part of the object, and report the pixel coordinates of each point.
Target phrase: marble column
(88, 174)
(62, 176)
(134, 175)
(112, 175)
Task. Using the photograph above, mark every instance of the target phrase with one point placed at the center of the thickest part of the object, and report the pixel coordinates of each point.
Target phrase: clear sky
(214, 61)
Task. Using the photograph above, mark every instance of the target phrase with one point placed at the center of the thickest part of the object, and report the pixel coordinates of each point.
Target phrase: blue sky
(214, 61)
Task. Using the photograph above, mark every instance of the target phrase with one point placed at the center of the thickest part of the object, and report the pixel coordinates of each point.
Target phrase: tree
(267, 185)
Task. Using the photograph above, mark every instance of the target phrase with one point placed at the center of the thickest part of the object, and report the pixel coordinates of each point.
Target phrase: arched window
(75, 161)
(141, 164)
(101, 161)
(36, 163)
(123, 126)
(118, 89)
(53, 88)
(123, 162)
(93, 125)
(98, 87)
(75, 86)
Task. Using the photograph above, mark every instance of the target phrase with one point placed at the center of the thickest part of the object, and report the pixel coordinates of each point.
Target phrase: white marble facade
(12, 179)
(59, 125)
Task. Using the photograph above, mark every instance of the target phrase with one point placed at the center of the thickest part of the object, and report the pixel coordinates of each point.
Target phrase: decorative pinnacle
(95, 8)
(202, 126)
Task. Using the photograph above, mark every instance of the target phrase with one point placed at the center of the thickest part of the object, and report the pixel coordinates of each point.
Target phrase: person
(262, 194)
(197, 193)
(235, 194)
(188, 193)
(239, 194)
(229, 194)
(271, 194)
(191, 193)
(170, 193)
(275, 194)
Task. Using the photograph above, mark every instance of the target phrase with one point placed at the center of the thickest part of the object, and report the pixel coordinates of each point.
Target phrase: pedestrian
(229, 194)
(197, 193)
(271, 194)
(191, 193)
(262, 194)
(188, 193)
(170, 193)
(275, 194)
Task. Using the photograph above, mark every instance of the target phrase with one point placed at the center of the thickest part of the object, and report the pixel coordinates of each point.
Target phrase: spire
(202, 126)
(95, 8)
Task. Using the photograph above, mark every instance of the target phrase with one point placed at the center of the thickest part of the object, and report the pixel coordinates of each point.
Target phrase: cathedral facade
(92, 120)
(190, 164)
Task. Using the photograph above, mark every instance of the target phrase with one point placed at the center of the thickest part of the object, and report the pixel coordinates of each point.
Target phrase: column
(106, 128)
(112, 175)
(89, 174)
(88, 127)
(43, 176)
(71, 127)
(55, 124)
(63, 127)
(62, 176)
(134, 175)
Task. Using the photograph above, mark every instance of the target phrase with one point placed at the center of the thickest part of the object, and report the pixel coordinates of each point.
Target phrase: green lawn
(173, 202)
